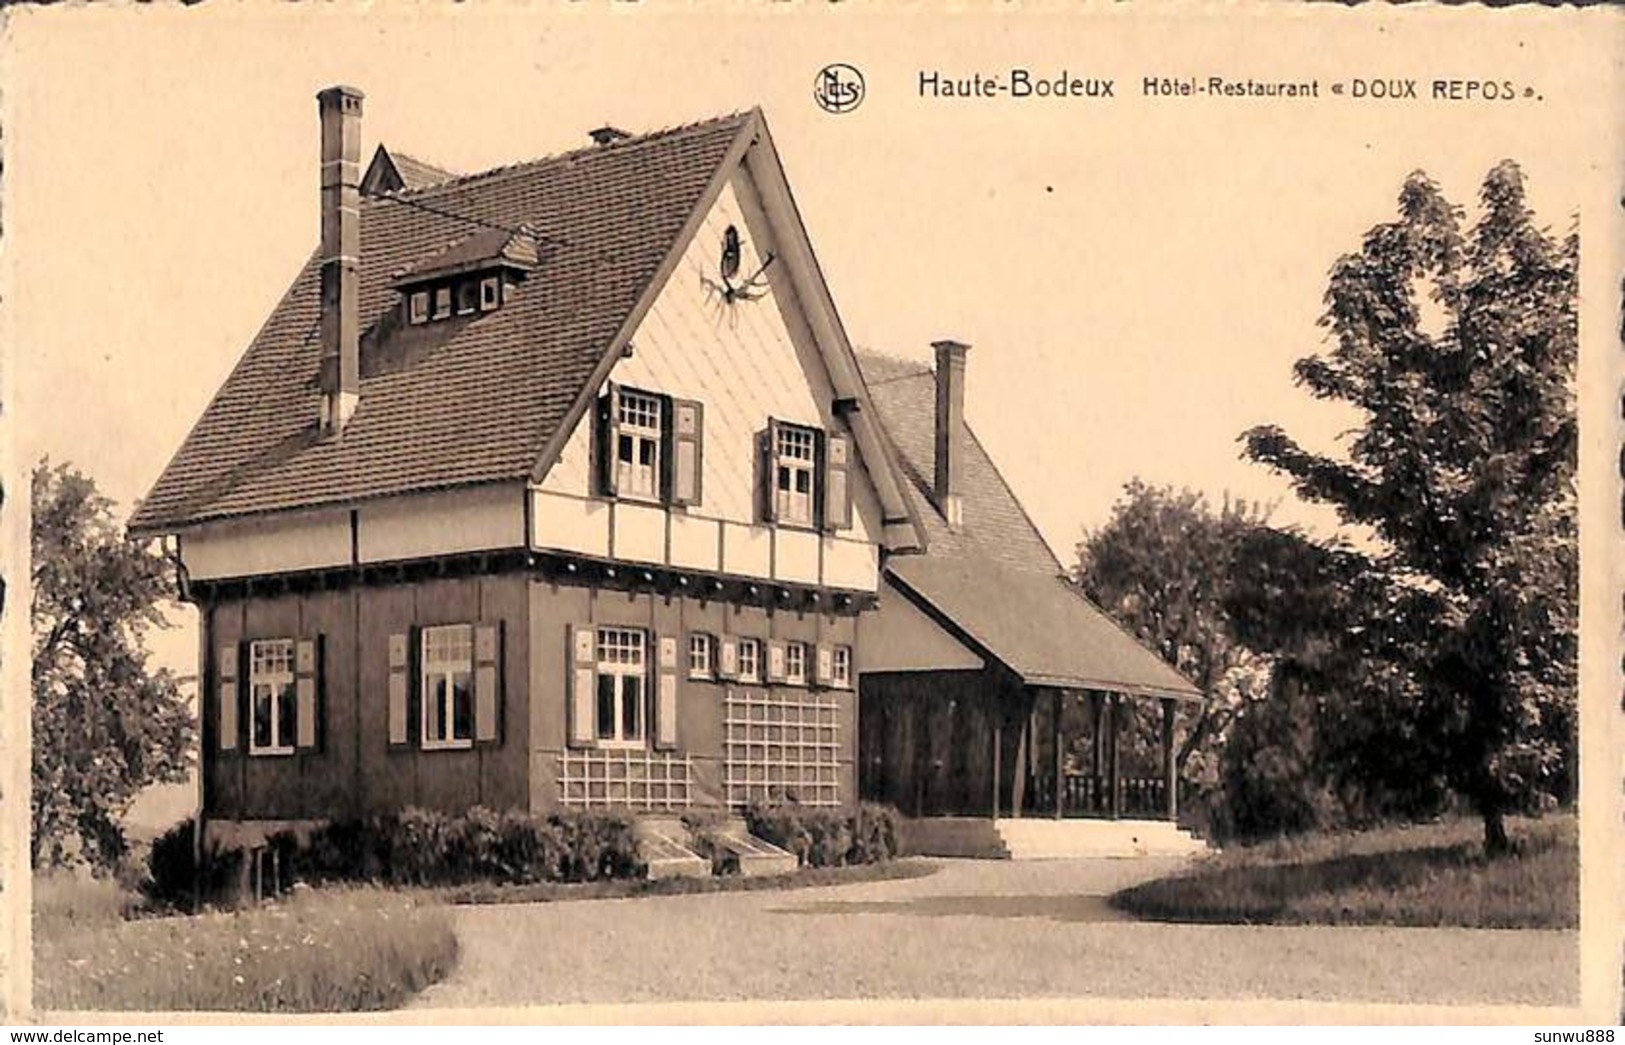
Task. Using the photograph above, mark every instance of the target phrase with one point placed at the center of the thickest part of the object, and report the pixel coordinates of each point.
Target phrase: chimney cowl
(950, 430)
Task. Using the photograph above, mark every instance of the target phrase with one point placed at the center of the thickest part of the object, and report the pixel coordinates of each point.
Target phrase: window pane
(262, 716)
(606, 707)
(462, 706)
(287, 706)
(803, 482)
(624, 449)
(632, 708)
(436, 708)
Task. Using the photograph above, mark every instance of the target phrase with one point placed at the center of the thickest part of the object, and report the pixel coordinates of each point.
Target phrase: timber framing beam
(572, 570)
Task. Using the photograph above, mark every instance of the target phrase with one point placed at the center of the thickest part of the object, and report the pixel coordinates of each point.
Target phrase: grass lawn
(330, 950)
(547, 892)
(1432, 874)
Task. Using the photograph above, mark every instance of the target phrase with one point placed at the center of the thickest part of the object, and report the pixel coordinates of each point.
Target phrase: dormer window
(490, 293)
(442, 302)
(417, 307)
(468, 298)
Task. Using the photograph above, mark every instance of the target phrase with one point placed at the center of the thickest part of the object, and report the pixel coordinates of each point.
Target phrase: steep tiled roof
(993, 577)
(415, 174)
(994, 525)
(458, 402)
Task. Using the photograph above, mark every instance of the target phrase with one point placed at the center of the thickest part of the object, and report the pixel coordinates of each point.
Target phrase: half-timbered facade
(553, 486)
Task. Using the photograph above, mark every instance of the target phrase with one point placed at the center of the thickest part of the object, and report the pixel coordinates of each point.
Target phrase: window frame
(840, 667)
(788, 463)
(493, 299)
(619, 671)
(442, 302)
(754, 673)
(646, 429)
(417, 307)
(282, 692)
(702, 646)
(445, 668)
(795, 653)
(466, 297)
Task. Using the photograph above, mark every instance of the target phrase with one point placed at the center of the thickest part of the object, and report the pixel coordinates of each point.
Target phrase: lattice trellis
(781, 744)
(635, 777)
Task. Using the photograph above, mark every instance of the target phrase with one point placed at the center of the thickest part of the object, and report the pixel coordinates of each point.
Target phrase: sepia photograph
(550, 513)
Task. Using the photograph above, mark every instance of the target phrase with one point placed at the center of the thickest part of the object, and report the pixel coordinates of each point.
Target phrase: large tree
(1457, 347)
(1160, 566)
(106, 725)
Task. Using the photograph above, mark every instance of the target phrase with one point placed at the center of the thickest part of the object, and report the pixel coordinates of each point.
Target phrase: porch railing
(1089, 794)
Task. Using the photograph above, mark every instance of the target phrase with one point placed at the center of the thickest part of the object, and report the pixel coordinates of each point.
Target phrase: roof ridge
(529, 166)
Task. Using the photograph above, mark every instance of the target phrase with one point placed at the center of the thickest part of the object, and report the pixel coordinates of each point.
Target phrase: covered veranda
(996, 692)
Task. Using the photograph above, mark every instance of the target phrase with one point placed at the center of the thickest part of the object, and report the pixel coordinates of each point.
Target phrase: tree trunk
(1496, 843)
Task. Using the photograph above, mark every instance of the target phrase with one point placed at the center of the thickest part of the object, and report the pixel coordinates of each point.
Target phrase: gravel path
(990, 929)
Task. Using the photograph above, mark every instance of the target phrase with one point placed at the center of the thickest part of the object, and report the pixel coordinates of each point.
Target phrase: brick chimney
(340, 109)
(950, 430)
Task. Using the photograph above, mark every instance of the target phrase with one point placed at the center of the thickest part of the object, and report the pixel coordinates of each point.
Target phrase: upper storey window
(794, 461)
(803, 477)
(649, 446)
(637, 445)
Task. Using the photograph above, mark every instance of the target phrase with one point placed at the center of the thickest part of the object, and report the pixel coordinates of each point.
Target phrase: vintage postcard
(812, 513)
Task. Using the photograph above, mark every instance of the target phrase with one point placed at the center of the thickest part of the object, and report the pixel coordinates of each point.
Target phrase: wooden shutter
(582, 684)
(727, 657)
(767, 441)
(775, 660)
(607, 431)
(227, 667)
(308, 664)
(686, 450)
(401, 689)
(665, 696)
(823, 666)
(836, 491)
(488, 683)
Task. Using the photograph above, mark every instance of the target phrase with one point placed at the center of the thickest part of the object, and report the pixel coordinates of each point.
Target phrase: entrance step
(962, 836)
(663, 845)
(1040, 839)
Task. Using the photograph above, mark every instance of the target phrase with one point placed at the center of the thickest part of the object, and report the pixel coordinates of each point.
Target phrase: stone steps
(1040, 839)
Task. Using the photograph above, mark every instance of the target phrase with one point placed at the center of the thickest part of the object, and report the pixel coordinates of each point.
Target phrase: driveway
(973, 929)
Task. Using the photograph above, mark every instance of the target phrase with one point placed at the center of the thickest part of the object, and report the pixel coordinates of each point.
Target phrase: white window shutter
(400, 710)
(307, 668)
(583, 684)
(727, 657)
(227, 669)
(488, 683)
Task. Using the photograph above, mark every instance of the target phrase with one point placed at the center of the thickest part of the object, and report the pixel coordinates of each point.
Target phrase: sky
(1136, 276)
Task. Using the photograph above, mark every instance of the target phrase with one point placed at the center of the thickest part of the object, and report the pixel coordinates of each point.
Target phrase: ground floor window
(782, 745)
(622, 672)
(270, 690)
(448, 686)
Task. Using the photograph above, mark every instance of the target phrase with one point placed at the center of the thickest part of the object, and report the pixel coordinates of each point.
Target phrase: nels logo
(838, 88)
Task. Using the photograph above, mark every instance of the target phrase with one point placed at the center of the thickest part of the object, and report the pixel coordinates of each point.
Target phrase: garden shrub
(823, 837)
(173, 877)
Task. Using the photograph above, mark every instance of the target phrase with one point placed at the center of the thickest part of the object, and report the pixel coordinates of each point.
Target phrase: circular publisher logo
(838, 88)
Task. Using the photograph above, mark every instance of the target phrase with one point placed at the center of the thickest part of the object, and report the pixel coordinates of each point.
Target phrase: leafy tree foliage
(1160, 567)
(1458, 348)
(105, 725)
